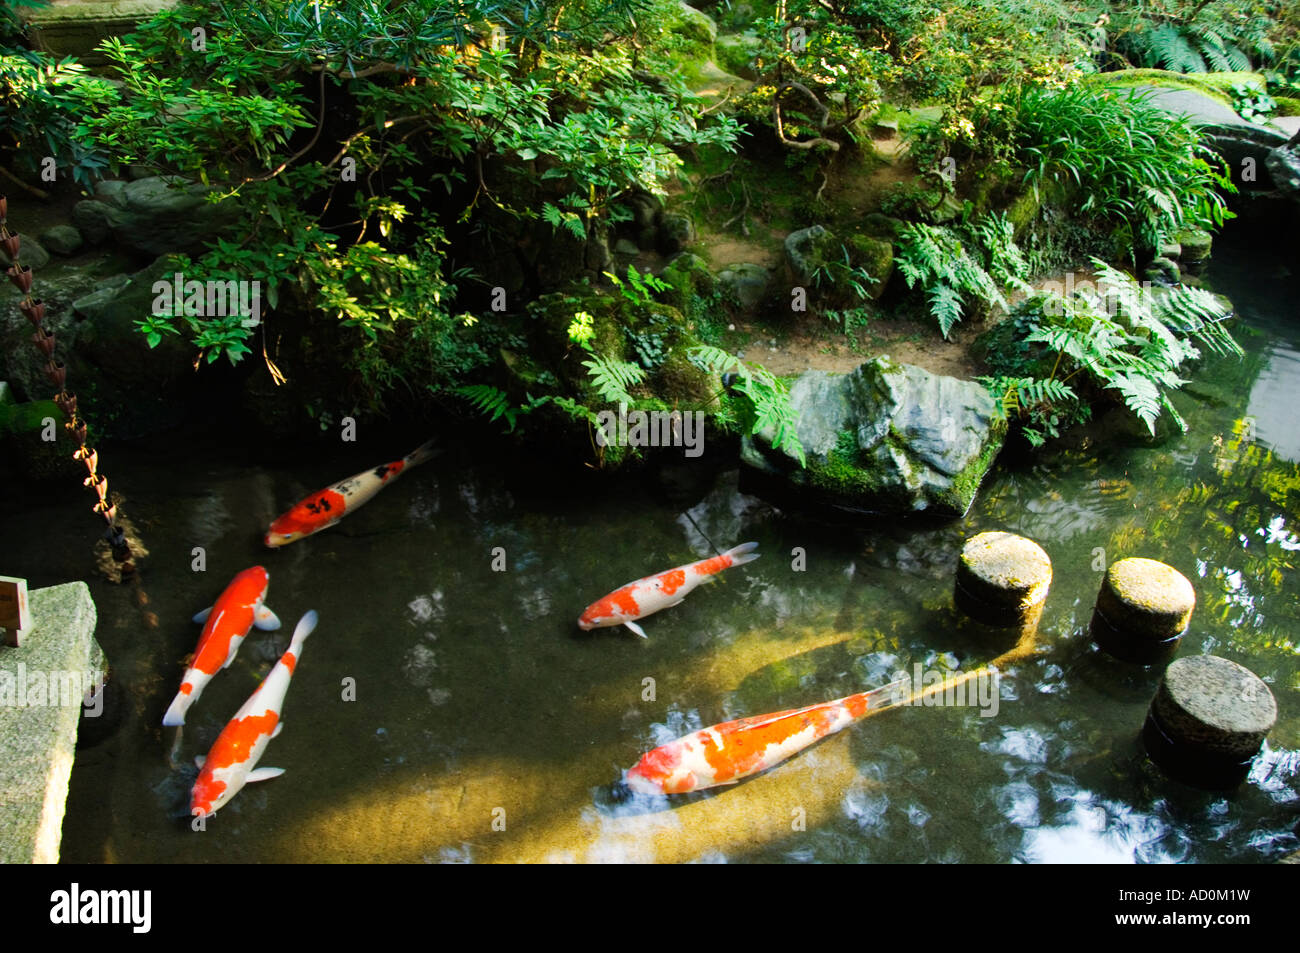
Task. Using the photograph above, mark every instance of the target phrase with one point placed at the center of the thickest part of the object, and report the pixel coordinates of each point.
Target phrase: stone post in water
(1002, 580)
(1142, 610)
(1207, 721)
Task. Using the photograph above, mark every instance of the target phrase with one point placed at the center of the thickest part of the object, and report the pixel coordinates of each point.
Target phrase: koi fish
(232, 762)
(229, 620)
(734, 750)
(326, 507)
(639, 599)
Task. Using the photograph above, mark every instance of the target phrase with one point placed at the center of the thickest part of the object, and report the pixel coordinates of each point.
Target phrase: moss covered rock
(1194, 245)
(886, 437)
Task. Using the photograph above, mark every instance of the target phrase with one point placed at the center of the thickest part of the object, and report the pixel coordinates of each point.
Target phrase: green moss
(967, 483)
(842, 473)
(876, 256)
(1287, 105)
(1217, 86)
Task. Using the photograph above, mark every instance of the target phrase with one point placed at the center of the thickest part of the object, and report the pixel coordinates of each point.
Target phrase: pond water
(447, 712)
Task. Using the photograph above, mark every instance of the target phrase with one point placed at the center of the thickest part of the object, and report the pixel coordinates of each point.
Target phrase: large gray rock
(1283, 165)
(38, 733)
(154, 216)
(886, 437)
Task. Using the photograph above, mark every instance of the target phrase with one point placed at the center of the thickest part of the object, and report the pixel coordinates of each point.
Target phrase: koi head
(638, 782)
(208, 795)
(654, 772)
(597, 615)
(285, 530)
(614, 609)
(275, 539)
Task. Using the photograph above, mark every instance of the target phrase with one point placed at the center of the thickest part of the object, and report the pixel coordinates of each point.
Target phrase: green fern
(956, 265)
(613, 378)
(945, 306)
(767, 394)
(1124, 337)
(491, 400)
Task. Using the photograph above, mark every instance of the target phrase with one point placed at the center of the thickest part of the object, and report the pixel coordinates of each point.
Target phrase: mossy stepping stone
(1002, 578)
(1142, 610)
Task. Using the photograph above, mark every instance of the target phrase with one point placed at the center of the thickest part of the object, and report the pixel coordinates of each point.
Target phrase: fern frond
(488, 399)
(613, 378)
(945, 306)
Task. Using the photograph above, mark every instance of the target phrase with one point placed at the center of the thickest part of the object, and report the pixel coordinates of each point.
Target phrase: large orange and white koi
(232, 762)
(663, 590)
(228, 621)
(326, 507)
(734, 750)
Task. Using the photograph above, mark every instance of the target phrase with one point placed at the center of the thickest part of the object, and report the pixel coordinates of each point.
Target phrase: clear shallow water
(480, 705)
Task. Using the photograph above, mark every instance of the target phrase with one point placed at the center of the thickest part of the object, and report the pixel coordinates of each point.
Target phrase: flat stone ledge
(42, 687)
(76, 27)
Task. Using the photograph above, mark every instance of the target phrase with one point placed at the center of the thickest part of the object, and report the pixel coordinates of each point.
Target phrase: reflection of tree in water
(1235, 522)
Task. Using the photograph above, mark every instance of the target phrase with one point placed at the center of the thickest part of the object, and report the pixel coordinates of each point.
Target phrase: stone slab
(38, 731)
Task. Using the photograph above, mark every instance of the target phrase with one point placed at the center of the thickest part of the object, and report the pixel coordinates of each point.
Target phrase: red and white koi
(232, 762)
(228, 621)
(729, 752)
(326, 507)
(663, 590)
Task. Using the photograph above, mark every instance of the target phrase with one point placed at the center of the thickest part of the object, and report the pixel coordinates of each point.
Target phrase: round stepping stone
(1208, 720)
(1002, 579)
(1142, 610)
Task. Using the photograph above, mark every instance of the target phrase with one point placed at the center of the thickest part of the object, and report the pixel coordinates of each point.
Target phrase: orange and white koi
(229, 620)
(326, 507)
(232, 762)
(663, 590)
(734, 750)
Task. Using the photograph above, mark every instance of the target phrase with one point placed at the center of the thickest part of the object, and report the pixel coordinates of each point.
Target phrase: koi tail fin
(175, 716)
(424, 452)
(305, 627)
(896, 692)
(744, 553)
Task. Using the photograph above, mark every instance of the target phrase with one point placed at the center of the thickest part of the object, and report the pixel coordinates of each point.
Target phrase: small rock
(62, 239)
(1162, 271)
(748, 282)
(676, 231)
(30, 253)
(1195, 244)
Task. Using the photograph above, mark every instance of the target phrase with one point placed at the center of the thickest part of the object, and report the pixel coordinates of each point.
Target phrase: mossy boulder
(736, 53)
(876, 257)
(808, 250)
(690, 279)
(887, 437)
(24, 444)
(745, 283)
(1194, 245)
